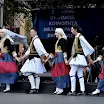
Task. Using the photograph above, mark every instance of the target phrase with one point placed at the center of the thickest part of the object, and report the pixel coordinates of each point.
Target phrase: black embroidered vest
(78, 47)
(33, 52)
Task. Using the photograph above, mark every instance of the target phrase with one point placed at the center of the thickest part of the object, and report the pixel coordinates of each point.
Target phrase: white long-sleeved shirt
(38, 46)
(87, 48)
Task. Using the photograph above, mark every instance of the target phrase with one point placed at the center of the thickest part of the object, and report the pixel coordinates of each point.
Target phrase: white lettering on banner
(67, 29)
(50, 35)
(65, 11)
(52, 17)
(53, 12)
(68, 17)
(70, 35)
(60, 18)
(65, 23)
(47, 29)
(52, 29)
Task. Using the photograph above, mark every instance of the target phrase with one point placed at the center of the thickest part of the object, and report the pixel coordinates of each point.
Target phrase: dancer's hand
(17, 59)
(51, 55)
(90, 62)
(66, 62)
(44, 59)
(21, 58)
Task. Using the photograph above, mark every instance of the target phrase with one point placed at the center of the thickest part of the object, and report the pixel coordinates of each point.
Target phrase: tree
(28, 26)
(11, 8)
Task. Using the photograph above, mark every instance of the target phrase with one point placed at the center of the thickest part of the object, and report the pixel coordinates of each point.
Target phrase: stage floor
(18, 98)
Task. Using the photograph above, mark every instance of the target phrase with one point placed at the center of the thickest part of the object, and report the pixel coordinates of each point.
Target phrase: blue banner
(90, 20)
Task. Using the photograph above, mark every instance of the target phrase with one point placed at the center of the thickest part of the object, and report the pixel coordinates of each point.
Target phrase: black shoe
(37, 91)
(72, 93)
(81, 93)
(0, 89)
(33, 91)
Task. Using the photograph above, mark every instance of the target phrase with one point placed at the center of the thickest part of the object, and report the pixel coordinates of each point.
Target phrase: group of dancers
(63, 70)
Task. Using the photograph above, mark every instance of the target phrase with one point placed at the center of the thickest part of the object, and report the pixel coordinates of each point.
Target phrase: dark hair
(33, 29)
(77, 27)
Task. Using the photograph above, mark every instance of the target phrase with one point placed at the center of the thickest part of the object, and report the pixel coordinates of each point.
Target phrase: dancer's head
(75, 29)
(33, 32)
(2, 33)
(59, 32)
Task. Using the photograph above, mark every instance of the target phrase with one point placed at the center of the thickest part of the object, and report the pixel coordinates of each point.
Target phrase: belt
(32, 56)
(80, 53)
(77, 53)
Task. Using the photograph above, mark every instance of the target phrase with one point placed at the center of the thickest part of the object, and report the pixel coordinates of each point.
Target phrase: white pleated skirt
(33, 66)
(78, 60)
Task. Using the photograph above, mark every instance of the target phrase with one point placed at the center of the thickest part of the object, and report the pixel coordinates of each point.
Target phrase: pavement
(22, 98)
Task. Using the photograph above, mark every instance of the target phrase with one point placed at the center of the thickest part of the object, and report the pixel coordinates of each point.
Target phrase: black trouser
(95, 70)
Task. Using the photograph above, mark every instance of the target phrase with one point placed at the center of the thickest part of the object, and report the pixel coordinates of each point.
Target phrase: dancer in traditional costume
(81, 49)
(100, 86)
(8, 68)
(34, 65)
(60, 68)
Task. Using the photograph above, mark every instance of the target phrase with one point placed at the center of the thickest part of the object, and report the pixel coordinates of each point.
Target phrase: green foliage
(11, 8)
(28, 26)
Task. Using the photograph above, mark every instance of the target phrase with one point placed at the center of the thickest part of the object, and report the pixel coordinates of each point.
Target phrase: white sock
(7, 87)
(37, 82)
(82, 85)
(60, 90)
(73, 84)
(32, 81)
(57, 89)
